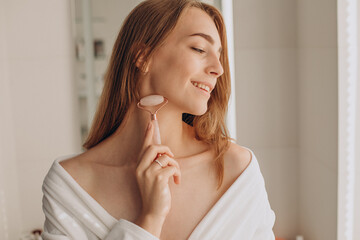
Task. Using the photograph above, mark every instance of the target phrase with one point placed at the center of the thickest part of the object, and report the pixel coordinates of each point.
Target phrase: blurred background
(295, 102)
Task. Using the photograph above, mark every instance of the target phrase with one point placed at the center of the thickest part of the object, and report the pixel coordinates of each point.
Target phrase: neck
(126, 143)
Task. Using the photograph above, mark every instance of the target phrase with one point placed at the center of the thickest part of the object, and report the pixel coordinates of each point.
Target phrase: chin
(199, 111)
(193, 107)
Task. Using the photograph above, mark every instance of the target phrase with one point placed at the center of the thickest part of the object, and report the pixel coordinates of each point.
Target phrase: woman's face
(190, 55)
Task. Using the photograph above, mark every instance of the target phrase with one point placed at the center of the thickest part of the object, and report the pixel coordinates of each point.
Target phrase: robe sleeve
(62, 225)
(264, 230)
(71, 215)
(122, 230)
(126, 230)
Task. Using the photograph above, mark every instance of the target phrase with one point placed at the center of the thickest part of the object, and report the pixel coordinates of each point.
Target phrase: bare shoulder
(71, 164)
(78, 169)
(236, 159)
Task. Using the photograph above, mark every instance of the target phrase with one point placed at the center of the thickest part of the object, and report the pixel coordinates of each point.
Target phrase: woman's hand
(153, 181)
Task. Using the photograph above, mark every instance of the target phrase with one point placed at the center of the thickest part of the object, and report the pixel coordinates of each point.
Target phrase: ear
(141, 62)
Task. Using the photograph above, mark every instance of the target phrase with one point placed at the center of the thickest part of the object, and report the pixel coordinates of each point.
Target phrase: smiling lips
(202, 86)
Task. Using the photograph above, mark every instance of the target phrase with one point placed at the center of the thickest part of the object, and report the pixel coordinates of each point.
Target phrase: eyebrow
(207, 37)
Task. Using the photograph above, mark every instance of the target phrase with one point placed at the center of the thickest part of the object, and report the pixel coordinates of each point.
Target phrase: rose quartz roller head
(152, 104)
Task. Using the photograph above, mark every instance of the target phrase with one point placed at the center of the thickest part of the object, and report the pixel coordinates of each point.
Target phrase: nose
(215, 67)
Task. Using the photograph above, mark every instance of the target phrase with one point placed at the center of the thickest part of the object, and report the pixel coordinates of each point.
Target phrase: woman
(202, 186)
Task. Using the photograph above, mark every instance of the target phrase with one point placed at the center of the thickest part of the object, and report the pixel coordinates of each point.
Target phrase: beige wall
(267, 99)
(38, 120)
(318, 88)
(286, 84)
(10, 215)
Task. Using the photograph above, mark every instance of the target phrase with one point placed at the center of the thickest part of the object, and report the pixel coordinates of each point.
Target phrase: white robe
(242, 213)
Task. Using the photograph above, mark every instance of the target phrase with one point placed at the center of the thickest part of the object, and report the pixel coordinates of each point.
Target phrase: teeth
(202, 86)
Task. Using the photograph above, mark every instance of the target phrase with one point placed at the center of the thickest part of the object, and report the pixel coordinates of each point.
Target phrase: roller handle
(157, 138)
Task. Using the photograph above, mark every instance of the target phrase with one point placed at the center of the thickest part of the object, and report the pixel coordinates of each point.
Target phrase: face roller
(152, 104)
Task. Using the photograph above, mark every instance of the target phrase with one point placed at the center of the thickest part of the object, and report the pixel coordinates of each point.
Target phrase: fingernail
(149, 126)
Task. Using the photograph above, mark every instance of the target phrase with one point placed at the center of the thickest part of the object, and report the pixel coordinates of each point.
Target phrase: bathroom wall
(286, 84)
(318, 112)
(267, 99)
(10, 215)
(38, 112)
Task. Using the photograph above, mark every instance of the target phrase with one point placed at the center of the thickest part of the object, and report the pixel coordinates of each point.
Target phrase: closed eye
(198, 50)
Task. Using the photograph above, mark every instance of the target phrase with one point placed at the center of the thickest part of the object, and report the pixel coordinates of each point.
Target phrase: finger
(165, 160)
(173, 162)
(149, 132)
(148, 136)
(150, 155)
(171, 171)
(158, 164)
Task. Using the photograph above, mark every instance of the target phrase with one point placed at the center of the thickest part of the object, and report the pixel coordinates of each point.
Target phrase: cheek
(173, 67)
